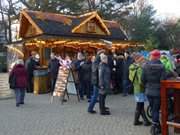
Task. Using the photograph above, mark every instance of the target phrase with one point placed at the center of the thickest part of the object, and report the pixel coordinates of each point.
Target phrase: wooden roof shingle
(62, 25)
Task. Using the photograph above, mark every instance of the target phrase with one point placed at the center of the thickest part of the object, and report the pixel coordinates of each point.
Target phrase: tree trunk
(3, 21)
(89, 5)
(9, 28)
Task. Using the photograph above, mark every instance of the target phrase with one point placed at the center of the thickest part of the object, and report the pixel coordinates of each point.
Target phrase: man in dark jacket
(78, 67)
(95, 81)
(86, 78)
(30, 67)
(119, 73)
(153, 73)
(104, 85)
(20, 74)
(53, 68)
(127, 85)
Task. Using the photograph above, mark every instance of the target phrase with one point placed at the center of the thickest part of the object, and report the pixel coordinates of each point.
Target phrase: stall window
(91, 27)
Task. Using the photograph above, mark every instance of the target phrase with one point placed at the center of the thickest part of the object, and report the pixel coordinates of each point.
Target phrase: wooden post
(177, 109)
(41, 54)
(164, 109)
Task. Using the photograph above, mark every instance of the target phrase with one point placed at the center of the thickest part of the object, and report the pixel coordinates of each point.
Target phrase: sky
(164, 8)
(167, 8)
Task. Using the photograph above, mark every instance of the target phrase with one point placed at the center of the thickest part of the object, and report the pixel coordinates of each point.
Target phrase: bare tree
(4, 28)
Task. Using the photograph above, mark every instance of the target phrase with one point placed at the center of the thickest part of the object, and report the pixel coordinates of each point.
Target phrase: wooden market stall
(46, 32)
(63, 34)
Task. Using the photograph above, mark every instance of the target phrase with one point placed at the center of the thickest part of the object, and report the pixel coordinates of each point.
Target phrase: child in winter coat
(135, 72)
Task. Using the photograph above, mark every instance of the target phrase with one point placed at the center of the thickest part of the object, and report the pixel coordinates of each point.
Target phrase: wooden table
(165, 86)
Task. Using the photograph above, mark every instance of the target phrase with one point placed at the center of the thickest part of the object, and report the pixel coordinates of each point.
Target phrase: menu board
(65, 84)
(61, 83)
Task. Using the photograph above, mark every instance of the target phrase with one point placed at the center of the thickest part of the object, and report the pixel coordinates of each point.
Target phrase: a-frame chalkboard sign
(61, 86)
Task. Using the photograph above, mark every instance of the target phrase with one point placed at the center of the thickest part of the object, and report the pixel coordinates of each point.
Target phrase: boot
(103, 110)
(100, 102)
(105, 113)
(136, 119)
(146, 121)
(158, 128)
(155, 129)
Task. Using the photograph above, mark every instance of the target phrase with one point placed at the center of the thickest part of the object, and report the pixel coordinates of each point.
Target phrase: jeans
(93, 98)
(20, 94)
(82, 89)
(154, 103)
(85, 89)
(126, 86)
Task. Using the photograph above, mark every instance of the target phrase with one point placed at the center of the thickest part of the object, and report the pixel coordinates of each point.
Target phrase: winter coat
(178, 68)
(104, 78)
(30, 66)
(75, 72)
(94, 73)
(86, 71)
(79, 70)
(53, 67)
(167, 63)
(20, 74)
(135, 72)
(127, 62)
(119, 69)
(153, 73)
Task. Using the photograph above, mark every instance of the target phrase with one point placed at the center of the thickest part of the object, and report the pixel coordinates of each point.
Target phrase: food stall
(64, 34)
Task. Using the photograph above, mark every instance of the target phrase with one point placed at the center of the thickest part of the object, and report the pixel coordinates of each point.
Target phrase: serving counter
(41, 80)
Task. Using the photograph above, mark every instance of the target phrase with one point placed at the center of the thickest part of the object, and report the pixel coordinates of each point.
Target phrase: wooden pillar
(177, 108)
(41, 54)
(164, 107)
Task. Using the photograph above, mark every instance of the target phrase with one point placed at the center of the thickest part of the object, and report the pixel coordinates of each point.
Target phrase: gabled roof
(65, 26)
(92, 16)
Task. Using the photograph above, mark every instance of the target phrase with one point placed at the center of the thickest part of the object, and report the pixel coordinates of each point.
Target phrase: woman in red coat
(20, 74)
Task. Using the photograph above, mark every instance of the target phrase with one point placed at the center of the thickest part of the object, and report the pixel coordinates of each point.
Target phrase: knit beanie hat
(155, 54)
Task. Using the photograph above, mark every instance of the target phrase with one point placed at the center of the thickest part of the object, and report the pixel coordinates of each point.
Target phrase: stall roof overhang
(49, 41)
(41, 23)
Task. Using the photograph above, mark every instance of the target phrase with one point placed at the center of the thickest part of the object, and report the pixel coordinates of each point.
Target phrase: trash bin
(40, 81)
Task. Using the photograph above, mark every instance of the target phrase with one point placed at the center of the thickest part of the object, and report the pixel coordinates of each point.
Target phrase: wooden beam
(72, 42)
(173, 124)
(40, 42)
(85, 43)
(103, 25)
(60, 42)
(94, 15)
(32, 22)
(85, 21)
(87, 14)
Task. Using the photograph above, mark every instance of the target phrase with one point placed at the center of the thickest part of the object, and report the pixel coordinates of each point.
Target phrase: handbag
(131, 86)
(12, 81)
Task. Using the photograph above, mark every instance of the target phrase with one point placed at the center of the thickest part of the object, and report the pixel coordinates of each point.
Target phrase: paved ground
(5, 92)
(39, 117)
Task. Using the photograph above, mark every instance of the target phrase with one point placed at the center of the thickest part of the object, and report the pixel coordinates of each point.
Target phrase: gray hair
(103, 57)
(80, 56)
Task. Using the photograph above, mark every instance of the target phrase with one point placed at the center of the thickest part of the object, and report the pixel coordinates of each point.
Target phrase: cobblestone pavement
(39, 117)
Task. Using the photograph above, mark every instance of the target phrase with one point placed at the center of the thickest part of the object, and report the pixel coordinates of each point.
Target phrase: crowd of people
(96, 76)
